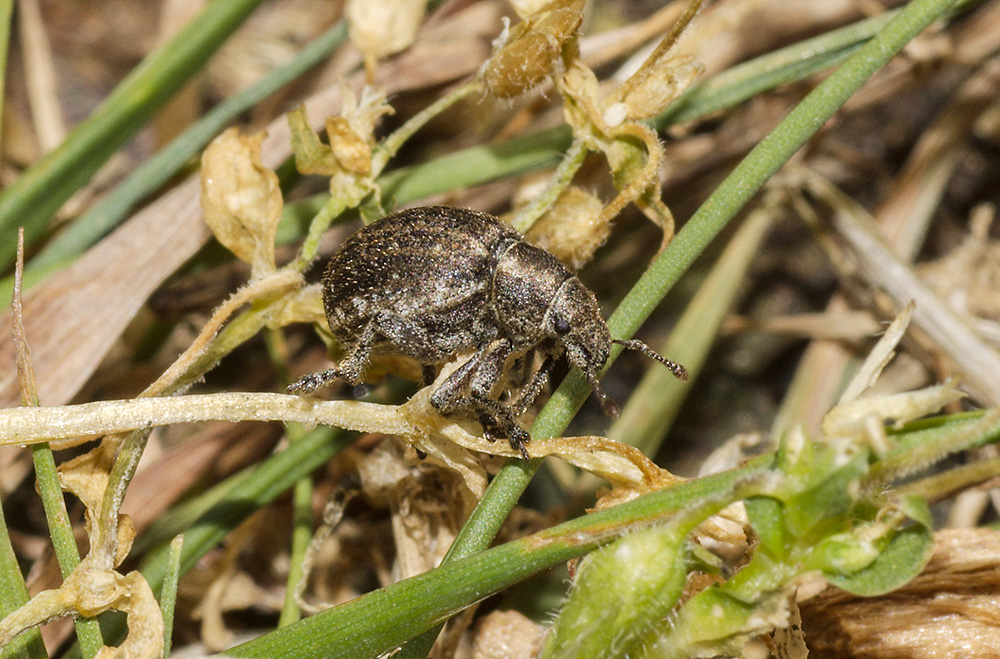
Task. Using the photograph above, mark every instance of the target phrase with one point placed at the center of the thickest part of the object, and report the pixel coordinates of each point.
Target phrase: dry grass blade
(25, 372)
(882, 270)
(50, 127)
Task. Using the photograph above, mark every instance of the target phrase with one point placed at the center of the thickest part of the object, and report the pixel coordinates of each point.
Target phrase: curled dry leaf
(87, 477)
(241, 198)
(423, 504)
(89, 591)
(654, 92)
(632, 149)
(851, 419)
(613, 124)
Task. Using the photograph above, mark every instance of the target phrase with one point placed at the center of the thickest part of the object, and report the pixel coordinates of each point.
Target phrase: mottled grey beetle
(428, 283)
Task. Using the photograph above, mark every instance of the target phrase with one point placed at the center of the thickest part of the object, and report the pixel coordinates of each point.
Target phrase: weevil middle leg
(470, 388)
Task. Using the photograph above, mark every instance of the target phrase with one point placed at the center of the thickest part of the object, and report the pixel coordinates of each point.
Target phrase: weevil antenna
(610, 407)
(636, 344)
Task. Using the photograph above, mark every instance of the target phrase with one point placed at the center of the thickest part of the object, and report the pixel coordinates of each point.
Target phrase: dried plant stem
(648, 69)
(11, 580)
(40, 77)
(884, 270)
(274, 283)
(32, 425)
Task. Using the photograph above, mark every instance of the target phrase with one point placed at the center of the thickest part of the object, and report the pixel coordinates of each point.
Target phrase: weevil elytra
(429, 283)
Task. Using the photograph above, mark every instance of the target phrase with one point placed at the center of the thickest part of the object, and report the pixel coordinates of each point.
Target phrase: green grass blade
(41, 190)
(748, 177)
(27, 645)
(383, 619)
(156, 171)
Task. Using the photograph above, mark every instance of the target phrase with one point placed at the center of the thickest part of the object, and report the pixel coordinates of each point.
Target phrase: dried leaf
(241, 198)
(349, 149)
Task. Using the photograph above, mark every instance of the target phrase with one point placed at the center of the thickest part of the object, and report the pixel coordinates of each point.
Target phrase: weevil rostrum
(430, 283)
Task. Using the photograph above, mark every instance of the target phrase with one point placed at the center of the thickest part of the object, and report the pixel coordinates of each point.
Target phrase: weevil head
(574, 320)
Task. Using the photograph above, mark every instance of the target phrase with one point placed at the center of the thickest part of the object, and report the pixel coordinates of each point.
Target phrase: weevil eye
(561, 325)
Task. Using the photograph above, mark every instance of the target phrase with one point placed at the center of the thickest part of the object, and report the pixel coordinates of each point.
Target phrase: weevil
(430, 283)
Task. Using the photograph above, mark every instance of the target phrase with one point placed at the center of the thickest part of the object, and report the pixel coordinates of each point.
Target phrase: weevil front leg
(470, 387)
(530, 391)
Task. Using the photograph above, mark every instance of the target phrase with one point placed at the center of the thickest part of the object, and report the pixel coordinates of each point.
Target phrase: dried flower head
(383, 28)
(571, 229)
(530, 51)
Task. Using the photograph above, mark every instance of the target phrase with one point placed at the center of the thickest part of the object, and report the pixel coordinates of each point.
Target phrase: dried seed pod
(531, 50)
(384, 27)
(572, 229)
(241, 198)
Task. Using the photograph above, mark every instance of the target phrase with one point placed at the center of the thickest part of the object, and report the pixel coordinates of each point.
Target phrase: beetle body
(429, 283)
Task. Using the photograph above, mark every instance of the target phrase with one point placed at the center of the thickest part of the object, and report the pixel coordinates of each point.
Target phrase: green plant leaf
(767, 519)
(829, 497)
(905, 556)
